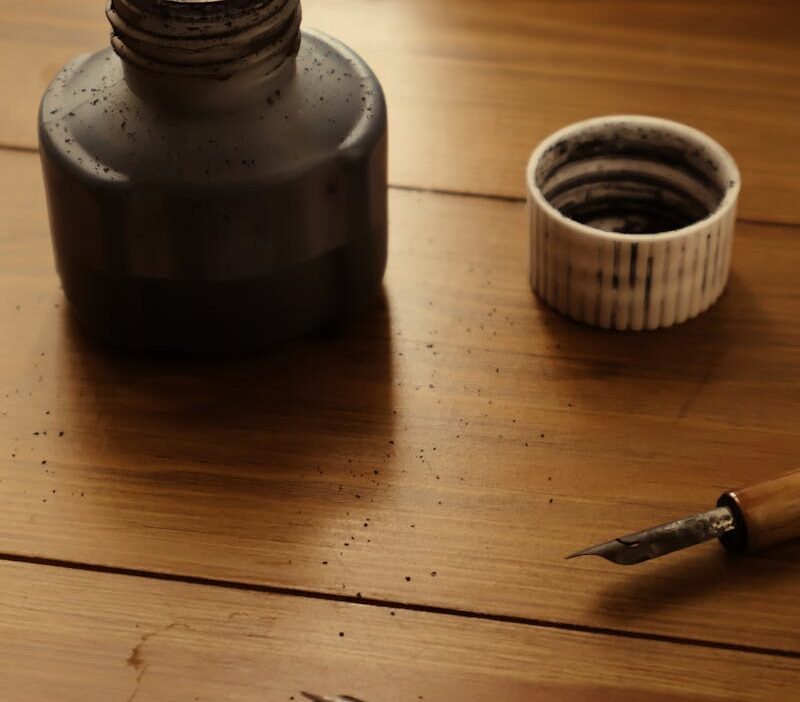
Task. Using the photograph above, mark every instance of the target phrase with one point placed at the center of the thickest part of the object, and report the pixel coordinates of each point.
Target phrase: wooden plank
(90, 637)
(473, 86)
(463, 430)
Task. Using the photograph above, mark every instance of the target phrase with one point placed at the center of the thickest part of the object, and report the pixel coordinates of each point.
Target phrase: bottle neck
(204, 53)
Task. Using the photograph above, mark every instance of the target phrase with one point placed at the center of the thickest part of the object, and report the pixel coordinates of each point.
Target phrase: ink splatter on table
(384, 513)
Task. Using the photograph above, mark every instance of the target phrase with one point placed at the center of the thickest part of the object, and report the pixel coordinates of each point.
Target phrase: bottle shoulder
(330, 107)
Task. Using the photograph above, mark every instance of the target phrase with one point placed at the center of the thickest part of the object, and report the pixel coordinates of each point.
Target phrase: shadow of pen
(703, 575)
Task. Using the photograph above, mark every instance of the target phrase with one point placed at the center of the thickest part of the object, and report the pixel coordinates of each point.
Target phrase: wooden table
(385, 514)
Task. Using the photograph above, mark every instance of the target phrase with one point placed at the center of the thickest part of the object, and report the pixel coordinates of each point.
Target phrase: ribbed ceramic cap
(631, 221)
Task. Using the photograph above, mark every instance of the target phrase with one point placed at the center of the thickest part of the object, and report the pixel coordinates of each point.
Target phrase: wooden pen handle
(767, 513)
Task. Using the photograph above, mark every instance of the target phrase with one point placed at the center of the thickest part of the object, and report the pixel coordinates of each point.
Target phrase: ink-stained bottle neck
(205, 38)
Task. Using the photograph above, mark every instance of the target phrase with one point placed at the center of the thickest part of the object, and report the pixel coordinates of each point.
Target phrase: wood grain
(86, 637)
(448, 450)
(474, 85)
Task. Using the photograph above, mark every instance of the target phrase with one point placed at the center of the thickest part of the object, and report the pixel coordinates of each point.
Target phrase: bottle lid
(631, 221)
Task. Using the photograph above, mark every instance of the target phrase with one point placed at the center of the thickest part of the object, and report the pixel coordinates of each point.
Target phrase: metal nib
(663, 539)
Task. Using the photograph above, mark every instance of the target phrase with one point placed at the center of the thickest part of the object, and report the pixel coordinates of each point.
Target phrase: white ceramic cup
(631, 221)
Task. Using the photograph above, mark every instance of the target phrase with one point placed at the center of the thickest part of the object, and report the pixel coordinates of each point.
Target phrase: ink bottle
(216, 178)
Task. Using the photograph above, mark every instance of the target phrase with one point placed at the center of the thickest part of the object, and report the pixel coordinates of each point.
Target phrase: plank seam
(519, 199)
(402, 606)
(20, 149)
(494, 197)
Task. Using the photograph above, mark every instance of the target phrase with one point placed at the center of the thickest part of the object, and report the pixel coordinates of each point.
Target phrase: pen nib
(664, 539)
